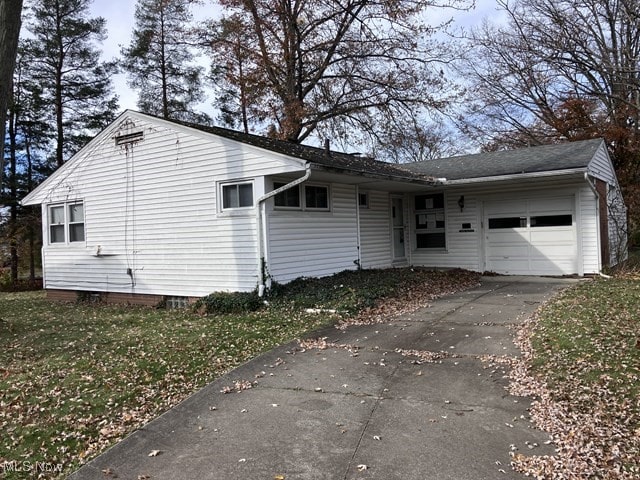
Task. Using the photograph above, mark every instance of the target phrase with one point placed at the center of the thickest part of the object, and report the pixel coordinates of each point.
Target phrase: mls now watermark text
(27, 466)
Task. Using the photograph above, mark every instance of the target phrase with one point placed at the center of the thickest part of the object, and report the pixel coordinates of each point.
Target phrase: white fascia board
(518, 176)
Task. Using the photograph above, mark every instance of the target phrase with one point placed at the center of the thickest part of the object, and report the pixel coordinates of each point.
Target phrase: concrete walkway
(369, 413)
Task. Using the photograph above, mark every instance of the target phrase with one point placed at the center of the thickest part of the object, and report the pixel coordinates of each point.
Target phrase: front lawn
(584, 350)
(75, 378)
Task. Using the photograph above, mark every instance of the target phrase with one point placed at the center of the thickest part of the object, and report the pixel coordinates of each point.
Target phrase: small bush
(229, 302)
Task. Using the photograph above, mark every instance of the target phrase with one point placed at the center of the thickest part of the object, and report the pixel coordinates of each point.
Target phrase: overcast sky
(119, 15)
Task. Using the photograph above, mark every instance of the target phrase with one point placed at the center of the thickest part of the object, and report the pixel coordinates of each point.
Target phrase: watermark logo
(27, 466)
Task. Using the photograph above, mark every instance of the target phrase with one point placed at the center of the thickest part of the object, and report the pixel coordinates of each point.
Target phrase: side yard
(582, 355)
(75, 378)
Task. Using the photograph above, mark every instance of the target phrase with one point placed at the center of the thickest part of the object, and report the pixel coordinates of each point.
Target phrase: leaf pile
(581, 357)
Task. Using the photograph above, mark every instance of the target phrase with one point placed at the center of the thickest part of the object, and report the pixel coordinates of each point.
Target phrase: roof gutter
(517, 176)
(262, 228)
(380, 176)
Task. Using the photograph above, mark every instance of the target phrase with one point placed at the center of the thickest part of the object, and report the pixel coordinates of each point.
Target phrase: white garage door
(531, 237)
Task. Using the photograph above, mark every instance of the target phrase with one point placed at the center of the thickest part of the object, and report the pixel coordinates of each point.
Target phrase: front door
(397, 223)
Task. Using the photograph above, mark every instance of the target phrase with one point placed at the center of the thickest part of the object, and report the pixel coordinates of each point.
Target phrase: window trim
(66, 223)
(436, 230)
(317, 209)
(235, 183)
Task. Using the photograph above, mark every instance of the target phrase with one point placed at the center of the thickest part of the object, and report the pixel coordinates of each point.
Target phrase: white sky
(119, 16)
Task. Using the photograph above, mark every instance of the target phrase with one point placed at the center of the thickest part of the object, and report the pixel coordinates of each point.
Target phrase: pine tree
(75, 82)
(160, 63)
(28, 137)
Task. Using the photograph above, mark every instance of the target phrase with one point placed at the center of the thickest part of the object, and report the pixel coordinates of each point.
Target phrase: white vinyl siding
(466, 247)
(375, 231)
(314, 243)
(601, 168)
(587, 225)
(152, 209)
(463, 248)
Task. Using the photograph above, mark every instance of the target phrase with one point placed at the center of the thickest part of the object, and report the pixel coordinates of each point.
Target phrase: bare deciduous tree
(336, 68)
(559, 70)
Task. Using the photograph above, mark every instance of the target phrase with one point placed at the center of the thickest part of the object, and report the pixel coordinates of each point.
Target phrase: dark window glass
(429, 202)
(245, 195)
(551, 221)
(316, 197)
(288, 198)
(508, 222)
(237, 195)
(430, 240)
(363, 200)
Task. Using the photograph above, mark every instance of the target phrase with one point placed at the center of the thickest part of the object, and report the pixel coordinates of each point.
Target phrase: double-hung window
(430, 221)
(237, 195)
(66, 223)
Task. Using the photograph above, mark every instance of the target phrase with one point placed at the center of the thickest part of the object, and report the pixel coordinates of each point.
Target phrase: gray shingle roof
(546, 158)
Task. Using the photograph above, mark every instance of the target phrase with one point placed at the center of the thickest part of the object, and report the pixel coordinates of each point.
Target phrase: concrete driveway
(365, 413)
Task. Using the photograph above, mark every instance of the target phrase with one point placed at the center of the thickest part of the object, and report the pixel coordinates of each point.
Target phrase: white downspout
(358, 227)
(262, 234)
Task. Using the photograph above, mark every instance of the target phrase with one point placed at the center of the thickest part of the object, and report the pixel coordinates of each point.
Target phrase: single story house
(153, 210)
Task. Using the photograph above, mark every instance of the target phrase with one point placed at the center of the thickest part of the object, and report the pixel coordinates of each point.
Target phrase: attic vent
(129, 138)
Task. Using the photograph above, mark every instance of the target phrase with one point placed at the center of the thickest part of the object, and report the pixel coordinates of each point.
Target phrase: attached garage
(531, 236)
(546, 210)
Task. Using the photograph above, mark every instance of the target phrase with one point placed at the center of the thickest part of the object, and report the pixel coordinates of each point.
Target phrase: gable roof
(330, 160)
(545, 158)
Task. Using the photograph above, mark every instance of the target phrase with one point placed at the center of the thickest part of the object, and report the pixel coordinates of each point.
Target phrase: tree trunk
(10, 11)
(30, 230)
(13, 193)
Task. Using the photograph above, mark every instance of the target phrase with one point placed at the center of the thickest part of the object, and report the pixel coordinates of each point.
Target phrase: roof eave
(519, 176)
(377, 176)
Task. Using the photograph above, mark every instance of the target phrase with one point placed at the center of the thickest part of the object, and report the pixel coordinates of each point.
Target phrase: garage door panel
(549, 266)
(510, 250)
(553, 235)
(551, 204)
(553, 252)
(546, 246)
(506, 209)
(511, 265)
